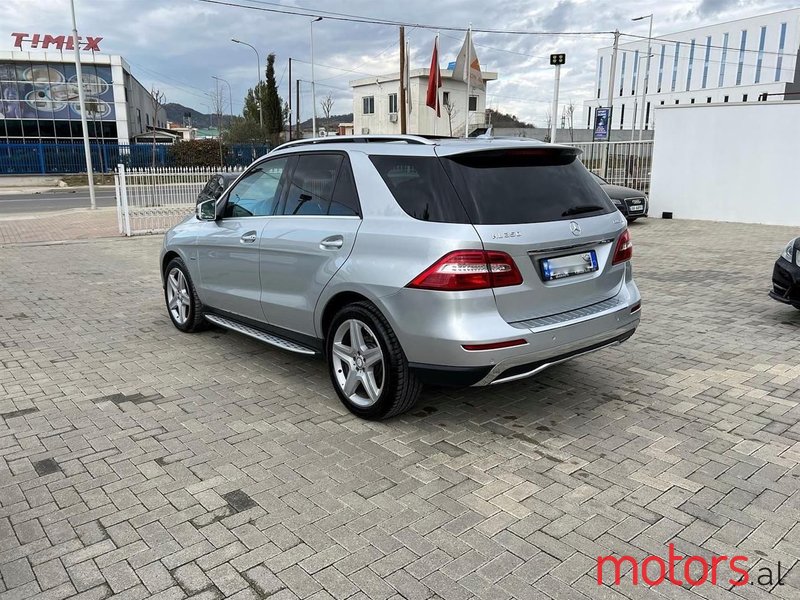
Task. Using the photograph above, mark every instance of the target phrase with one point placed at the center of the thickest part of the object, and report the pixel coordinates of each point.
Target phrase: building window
(725, 99)
(723, 60)
(677, 101)
(744, 97)
(760, 59)
(621, 116)
(742, 45)
(662, 103)
(635, 72)
(368, 105)
(473, 103)
(661, 67)
(446, 98)
(691, 64)
(706, 61)
(675, 65)
(708, 100)
(780, 52)
(392, 103)
(691, 101)
(647, 117)
(622, 73)
(600, 77)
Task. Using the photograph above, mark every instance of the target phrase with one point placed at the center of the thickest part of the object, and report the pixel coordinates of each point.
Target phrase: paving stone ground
(64, 225)
(136, 461)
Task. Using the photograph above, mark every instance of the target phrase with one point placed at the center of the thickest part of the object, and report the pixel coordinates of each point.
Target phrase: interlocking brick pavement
(136, 461)
(59, 226)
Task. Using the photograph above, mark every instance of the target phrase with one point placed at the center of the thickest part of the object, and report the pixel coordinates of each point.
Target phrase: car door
(228, 249)
(308, 239)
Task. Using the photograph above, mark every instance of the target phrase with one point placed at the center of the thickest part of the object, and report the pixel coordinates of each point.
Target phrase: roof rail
(358, 139)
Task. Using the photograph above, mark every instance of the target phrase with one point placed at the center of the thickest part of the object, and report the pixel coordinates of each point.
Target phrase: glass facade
(622, 73)
(661, 66)
(760, 59)
(39, 102)
(706, 61)
(691, 64)
(740, 68)
(635, 72)
(675, 66)
(723, 59)
(781, 46)
(599, 76)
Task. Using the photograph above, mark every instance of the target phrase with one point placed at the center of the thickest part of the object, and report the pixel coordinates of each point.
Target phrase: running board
(261, 336)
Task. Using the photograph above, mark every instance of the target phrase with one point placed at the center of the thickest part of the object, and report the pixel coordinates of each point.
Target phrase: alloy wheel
(358, 363)
(178, 299)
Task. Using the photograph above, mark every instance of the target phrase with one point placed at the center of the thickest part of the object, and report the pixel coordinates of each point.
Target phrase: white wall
(728, 162)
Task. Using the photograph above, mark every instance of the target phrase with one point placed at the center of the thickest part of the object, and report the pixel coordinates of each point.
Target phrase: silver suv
(408, 261)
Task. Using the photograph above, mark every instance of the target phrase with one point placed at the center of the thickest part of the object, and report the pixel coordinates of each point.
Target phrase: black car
(786, 275)
(217, 184)
(630, 202)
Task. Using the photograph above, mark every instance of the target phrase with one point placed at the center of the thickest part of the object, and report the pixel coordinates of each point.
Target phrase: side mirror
(207, 210)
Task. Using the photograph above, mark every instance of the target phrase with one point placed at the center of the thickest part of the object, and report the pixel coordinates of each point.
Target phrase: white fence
(621, 163)
(153, 200)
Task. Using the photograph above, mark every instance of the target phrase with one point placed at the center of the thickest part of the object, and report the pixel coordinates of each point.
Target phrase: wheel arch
(334, 304)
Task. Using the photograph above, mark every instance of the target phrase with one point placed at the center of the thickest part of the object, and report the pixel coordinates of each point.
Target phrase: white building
(737, 61)
(376, 105)
(39, 93)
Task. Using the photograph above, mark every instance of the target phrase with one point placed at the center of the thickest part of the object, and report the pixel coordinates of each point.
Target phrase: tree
(570, 112)
(158, 98)
(327, 105)
(273, 106)
(218, 108)
(452, 112)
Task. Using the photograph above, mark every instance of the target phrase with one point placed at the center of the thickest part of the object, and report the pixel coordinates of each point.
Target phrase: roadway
(26, 203)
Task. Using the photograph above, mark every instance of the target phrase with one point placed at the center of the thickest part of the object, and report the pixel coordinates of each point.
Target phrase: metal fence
(61, 158)
(153, 200)
(620, 163)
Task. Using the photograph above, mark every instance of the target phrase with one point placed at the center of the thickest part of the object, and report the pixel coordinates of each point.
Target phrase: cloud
(178, 45)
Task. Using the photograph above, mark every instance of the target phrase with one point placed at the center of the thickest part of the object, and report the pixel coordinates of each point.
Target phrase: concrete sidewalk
(59, 226)
(43, 190)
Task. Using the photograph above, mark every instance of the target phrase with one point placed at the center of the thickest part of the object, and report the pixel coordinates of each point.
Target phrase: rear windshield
(525, 186)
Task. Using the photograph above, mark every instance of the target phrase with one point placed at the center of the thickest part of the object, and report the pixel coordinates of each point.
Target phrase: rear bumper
(442, 360)
(786, 283)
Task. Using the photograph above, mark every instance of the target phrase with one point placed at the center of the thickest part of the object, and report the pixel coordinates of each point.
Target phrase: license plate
(567, 266)
(636, 207)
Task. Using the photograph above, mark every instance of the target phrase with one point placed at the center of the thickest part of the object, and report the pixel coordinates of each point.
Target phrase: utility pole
(82, 101)
(297, 114)
(403, 66)
(468, 68)
(313, 83)
(557, 60)
(611, 76)
(290, 99)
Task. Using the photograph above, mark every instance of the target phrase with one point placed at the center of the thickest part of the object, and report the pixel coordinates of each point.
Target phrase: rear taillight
(469, 270)
(624, 249)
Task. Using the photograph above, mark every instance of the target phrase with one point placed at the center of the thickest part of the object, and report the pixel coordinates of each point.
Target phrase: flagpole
(468, 74)
(435, 114)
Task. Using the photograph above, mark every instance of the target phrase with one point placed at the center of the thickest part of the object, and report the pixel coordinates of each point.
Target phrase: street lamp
(636, 100)
(230, 97)
(313, 86)
(647, 73)
(258, 60)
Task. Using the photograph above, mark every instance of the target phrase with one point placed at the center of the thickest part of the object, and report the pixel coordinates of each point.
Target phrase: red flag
(434, 81)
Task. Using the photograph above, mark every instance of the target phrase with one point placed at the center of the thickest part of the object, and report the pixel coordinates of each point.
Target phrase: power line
(688, 42)
(335, 16)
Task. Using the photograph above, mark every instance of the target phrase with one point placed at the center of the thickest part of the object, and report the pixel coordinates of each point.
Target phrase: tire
(381, 387)
(187, 313)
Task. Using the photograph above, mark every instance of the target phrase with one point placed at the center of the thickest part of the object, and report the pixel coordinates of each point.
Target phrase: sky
(178, 45)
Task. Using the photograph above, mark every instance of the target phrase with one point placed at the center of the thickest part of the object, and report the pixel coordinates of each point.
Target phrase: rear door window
(421, 187)
(525, 186)
(312, 184)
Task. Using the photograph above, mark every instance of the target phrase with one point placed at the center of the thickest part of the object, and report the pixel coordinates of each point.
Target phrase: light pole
(313, 86)
(82, 101)
(230, 96)
(635, 100)
(647, 73)
(258, 100)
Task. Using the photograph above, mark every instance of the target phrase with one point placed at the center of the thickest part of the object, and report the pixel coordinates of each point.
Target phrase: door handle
(248, 238)
(334, 242)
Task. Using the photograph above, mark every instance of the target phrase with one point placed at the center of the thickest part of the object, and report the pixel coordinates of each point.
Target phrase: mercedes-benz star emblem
(574, 228)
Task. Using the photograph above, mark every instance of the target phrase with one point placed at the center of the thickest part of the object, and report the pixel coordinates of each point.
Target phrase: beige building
(376, 105)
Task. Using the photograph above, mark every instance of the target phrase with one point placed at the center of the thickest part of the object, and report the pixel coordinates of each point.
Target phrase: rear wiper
(585, 208)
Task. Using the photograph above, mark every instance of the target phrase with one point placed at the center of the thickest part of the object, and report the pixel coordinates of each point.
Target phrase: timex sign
(57, 42)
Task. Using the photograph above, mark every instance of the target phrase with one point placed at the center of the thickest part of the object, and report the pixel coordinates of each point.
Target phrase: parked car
(217, 184)
(630, 202)
(408, 261)
(786, 275)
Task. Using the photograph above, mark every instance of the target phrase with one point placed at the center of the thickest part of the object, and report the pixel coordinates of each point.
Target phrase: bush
(197, 153)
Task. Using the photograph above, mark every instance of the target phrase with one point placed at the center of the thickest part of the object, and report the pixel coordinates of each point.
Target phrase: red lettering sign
(59, 42)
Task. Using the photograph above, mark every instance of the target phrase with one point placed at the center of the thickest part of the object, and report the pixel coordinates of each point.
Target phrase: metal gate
(153, 200)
